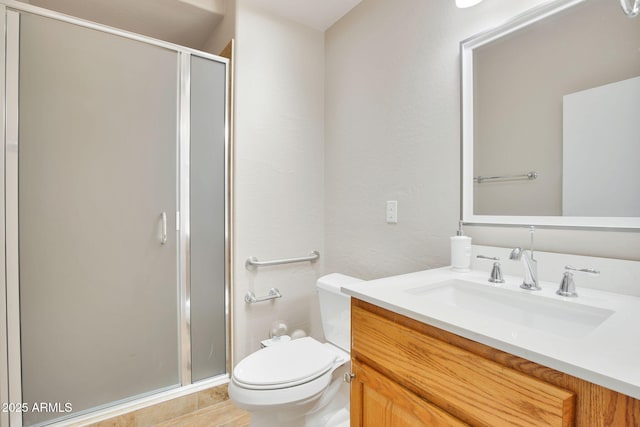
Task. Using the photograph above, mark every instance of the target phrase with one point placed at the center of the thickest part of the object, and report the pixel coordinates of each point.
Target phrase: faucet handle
(496, 272)
(567, 285)
(494, 258)
(582, 270)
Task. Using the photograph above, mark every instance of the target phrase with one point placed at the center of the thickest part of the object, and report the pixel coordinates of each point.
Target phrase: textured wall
(329, 127)
(393, 133)
(278, 170)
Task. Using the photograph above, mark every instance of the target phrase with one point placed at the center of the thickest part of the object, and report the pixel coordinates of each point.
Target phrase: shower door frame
(10, 349)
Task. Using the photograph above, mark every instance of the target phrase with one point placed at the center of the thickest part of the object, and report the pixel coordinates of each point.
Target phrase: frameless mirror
(551, 118)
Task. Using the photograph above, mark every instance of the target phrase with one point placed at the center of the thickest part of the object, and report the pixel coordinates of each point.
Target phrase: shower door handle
(163, 228)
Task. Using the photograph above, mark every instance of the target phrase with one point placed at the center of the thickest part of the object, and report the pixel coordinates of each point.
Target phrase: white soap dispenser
(460, 251)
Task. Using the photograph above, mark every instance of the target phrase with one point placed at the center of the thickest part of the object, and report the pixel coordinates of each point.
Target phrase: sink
(567, 319)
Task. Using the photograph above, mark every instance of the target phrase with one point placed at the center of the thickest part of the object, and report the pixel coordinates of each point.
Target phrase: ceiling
(318, 14)
(190, 22)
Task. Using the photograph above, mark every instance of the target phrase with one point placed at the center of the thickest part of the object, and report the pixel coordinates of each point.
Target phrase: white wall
(393, 133)
(329, 127)
(279, 166)
(603, 122)
(224, 31)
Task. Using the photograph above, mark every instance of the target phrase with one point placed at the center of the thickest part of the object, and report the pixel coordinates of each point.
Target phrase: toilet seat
(284, 365)
(301, 381)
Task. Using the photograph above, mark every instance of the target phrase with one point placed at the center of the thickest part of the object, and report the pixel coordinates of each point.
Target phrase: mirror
(551, 119)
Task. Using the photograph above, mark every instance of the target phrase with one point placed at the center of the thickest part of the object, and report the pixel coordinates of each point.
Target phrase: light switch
(392, 212)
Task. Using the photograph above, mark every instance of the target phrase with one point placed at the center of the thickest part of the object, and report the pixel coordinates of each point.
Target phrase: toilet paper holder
(250, 297)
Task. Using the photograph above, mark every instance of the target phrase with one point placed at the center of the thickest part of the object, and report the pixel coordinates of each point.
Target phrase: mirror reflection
(556, 116)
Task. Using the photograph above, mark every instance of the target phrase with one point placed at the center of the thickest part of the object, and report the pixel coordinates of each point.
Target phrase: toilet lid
(284, 365)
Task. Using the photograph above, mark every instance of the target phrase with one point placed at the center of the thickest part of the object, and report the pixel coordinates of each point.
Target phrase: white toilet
(300, 383)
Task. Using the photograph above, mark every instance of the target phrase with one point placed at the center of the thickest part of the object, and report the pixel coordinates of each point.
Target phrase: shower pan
(115, 212)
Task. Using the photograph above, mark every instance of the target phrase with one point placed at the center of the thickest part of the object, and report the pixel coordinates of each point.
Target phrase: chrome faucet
(530, 281)
(496, 272)
(567, 285)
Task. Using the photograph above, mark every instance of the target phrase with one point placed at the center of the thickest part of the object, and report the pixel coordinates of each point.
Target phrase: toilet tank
(335, 309)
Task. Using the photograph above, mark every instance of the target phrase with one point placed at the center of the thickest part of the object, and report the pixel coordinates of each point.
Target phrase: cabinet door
(479, 390)
(377, 401)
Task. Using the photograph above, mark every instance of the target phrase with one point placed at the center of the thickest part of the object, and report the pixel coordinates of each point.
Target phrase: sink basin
(567, 319)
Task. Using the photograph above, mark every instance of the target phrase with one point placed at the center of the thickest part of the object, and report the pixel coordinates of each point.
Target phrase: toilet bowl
(299, 383)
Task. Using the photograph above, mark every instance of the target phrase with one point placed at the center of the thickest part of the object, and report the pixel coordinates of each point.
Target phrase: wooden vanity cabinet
(408, 373)
(379, 401)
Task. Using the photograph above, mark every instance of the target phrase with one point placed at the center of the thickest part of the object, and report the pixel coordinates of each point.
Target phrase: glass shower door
(207, 219)
(97, 204)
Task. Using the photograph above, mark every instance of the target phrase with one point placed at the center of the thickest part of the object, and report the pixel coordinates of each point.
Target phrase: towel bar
(253, 262)
(529, 175)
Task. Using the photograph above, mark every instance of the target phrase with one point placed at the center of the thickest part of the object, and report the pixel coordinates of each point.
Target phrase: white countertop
(608, 355)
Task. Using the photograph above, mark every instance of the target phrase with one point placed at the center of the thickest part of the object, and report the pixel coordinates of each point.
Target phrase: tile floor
(223, 414)
(210, 408)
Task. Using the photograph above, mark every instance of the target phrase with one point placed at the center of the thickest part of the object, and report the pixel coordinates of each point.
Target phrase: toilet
(299, 383)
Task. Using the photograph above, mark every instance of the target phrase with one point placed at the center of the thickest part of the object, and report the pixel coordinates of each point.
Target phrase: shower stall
(115, 218)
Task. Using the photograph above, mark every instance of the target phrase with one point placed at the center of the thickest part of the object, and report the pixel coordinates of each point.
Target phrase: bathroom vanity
(444, 348)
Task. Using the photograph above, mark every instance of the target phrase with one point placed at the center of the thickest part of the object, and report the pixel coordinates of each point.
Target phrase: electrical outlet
(392, 212)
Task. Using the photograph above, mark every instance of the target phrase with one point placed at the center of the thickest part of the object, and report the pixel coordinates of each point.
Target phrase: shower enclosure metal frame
(10, 348)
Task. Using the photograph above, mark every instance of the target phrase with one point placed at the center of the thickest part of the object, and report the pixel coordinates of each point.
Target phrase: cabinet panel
(594, 405)
(383, 403)
(476, 390)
